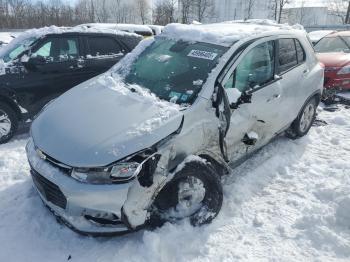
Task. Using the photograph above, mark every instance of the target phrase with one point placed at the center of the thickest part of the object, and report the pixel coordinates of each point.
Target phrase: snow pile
(132, 28)
(289, 202)
(5, 38)
(225, 33)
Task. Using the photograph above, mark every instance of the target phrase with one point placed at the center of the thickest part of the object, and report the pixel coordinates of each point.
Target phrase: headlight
(117, 173)
(344, 70)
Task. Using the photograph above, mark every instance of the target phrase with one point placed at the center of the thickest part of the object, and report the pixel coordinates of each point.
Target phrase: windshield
(333, 44)
(17, 49)
(175, 70)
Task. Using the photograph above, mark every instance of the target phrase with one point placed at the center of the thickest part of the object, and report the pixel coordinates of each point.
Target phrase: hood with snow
(102, 121)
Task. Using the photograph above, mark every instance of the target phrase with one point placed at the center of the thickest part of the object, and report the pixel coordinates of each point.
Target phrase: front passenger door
(56, 70)
(254, 73)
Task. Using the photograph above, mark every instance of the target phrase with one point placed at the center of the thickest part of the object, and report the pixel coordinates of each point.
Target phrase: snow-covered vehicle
(168, 121)
(143, 30)
(41, 64)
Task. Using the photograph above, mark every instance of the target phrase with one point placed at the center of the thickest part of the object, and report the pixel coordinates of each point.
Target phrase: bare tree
(185, 7)
(164, 12)
(143, 10)
(302, 12)
(339, 9)
(203, 9)
(249, 9)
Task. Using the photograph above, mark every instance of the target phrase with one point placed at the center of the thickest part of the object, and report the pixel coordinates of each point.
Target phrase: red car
(334, 52)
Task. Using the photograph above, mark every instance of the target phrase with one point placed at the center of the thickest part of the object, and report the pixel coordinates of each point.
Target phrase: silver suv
(148, 141)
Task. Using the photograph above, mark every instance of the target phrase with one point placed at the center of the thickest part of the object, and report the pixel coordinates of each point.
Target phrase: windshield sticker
(203, 54)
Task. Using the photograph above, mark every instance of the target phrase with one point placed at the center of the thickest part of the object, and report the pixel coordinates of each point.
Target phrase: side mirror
(237, 98)
(32, 62)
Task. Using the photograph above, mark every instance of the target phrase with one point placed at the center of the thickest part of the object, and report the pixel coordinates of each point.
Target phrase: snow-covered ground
(289, 202)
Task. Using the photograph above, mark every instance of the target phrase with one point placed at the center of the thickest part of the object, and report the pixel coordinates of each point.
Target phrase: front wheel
(301, 126)
(8, 123)
(195, 192)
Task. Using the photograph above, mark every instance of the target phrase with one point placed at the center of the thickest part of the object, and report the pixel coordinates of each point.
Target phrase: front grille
(49, 190)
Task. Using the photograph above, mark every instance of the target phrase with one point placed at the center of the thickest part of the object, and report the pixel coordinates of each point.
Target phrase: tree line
(28, 13)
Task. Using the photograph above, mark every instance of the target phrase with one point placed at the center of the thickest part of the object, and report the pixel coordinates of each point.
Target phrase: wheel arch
(13, 105)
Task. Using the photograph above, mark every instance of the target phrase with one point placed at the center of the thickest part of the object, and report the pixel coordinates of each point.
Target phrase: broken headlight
(120, 172)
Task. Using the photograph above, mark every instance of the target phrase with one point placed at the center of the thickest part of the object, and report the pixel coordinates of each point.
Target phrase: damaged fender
(141, 194)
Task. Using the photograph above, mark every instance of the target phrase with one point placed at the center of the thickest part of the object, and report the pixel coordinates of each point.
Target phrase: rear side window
(300, 52)
(103, 46)
(287, 54)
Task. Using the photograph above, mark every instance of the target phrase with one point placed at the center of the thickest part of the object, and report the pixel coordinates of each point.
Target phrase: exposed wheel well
(216, 165)
(13, 105)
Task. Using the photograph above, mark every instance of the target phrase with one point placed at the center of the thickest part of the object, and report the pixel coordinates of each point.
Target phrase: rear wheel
(8, 123)
(194, 193)
(301, 126)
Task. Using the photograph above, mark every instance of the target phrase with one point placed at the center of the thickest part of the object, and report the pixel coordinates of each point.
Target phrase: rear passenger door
(292, 70)
(102, 53)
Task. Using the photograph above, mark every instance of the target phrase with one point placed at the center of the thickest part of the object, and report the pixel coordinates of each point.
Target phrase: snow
(5, 37)
(132, 28)
(225, 33)
(289, 202)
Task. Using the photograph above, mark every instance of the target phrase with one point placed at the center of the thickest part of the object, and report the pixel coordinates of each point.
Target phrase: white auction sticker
(202, 54)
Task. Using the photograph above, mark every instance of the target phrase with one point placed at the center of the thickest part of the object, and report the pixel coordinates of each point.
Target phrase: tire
(8, 122)
(169, 203)
(302, 124)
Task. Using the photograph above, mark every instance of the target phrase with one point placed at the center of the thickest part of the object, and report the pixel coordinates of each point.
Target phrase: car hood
(100, 122)
(334, 59)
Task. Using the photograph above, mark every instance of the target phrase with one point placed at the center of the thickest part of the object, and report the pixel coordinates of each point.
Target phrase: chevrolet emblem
(41, 154)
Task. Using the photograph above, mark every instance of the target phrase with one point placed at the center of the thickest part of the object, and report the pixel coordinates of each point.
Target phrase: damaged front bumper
(87, 209)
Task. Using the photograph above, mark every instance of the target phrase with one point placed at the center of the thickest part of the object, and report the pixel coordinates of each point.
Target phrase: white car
(148, 141)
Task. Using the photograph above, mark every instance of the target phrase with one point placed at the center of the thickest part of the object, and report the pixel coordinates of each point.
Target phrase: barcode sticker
(202, 54)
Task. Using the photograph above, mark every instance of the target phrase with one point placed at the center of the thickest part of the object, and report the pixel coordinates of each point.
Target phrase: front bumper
(85, 208)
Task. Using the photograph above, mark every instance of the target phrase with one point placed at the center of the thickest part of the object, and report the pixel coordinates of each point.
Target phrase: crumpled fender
(140, 197)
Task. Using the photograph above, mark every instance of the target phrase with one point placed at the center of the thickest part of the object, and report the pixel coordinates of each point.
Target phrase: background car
(42, 64)
(315, 36)
(334, 52)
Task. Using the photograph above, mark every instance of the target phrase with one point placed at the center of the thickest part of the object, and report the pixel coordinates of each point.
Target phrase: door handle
(250, 138)
(306, 71)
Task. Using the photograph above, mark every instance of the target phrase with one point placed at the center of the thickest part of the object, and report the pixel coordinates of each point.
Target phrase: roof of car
(339, 33)
(123, 27)
(229, 32)
(40, 32)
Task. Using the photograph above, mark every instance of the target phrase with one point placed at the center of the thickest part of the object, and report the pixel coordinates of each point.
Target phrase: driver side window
(255, 69)
(58, 49)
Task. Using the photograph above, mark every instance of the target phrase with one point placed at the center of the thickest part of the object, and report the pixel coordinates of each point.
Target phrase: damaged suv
(148, 141)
